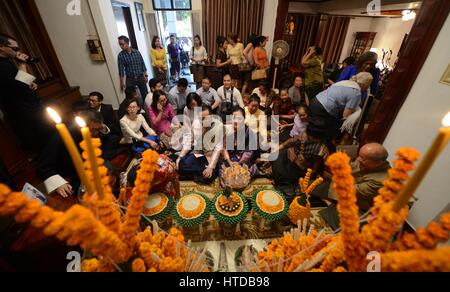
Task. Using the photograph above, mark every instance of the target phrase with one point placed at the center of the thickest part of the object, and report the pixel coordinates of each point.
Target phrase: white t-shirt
(200, 55)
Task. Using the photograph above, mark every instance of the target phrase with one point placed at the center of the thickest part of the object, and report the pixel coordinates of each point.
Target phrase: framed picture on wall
(140, 15)
(96, 50)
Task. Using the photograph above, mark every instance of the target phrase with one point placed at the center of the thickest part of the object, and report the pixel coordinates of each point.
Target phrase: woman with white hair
(340, 101)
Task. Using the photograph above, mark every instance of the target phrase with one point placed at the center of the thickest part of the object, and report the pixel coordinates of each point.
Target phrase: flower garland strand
(141, 191)
(417, 261)
(344, 186)
(106, 209)
(398, 175)
(425, 238)
(77, 226)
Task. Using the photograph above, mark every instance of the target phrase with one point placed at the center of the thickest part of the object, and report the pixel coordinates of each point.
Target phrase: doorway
(124, 21)
(180, 24)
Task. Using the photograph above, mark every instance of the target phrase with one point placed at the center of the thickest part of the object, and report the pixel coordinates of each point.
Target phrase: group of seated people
(288, 132)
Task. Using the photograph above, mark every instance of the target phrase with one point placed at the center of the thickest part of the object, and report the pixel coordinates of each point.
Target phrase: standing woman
(249, 61)
(222, 61)
(198, 56)
(235, 52)
(260, 54)
(159, 61)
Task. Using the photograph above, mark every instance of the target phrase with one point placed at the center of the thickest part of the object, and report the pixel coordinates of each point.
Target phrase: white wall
(69, 35)
(391, 32)
(269, 21)
(357, 24)
(417, 125)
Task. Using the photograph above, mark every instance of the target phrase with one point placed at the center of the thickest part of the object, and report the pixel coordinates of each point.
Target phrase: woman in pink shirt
(162, 115)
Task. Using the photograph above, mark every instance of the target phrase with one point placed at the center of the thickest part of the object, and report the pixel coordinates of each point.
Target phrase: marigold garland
(138, 266)
(77, 226)
(377, 235)
(424, 238)
(141, 190)
(398, 175)
(105, 209)
(344, 186)
(417, 261)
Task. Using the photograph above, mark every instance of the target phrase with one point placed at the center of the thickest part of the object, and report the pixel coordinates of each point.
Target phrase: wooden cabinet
(363, 43)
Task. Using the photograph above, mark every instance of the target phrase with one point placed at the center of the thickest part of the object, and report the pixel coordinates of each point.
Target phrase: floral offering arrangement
(230, 207)
(310, 251)
(270, 204)
(300, 208)
(236, 176)
(158, 207)
(192, 210)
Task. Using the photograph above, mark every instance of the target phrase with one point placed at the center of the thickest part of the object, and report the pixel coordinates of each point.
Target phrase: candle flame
(54, 115)
(80, 122)
(446, 121)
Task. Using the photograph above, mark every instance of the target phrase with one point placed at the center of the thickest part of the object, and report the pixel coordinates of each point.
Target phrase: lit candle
(72, 149)
(92, 157)
(438, 146)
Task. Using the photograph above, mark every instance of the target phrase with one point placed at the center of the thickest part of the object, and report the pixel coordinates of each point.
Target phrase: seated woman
(201, 165)
(283, 108)
(300, 122)
(267, 96)
(131, 125)
(232, 133)
(162, 115)
(300, 153)
(193, 101)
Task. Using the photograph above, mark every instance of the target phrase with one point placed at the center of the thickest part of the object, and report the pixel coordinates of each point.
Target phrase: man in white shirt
(229, 96)
(155, 85)
(178, 95)
(209, 95)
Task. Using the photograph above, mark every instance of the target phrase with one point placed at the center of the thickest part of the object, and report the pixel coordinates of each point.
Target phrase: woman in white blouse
(131, 125)
(199, 56)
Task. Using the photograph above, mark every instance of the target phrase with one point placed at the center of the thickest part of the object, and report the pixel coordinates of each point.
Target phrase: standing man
(174, 50)
(19, 102)
(314, 79)
(132, 69)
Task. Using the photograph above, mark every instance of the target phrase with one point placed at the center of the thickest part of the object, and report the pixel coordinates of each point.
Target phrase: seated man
(209, 95)
(202, 165)
(370, 170)
(112, 134)
(55, 166)
(178, 95)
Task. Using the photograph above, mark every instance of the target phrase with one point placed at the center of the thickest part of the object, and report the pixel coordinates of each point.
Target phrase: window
(172, 5)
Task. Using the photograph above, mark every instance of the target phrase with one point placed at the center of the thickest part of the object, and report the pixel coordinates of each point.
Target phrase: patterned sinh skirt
(160, 76)
(199, 72)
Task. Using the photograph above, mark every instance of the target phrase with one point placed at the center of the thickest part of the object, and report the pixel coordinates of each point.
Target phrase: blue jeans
(192, 167)
(141, 147)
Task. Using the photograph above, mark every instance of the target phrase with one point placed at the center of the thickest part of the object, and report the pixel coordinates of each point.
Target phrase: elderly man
(370, 170)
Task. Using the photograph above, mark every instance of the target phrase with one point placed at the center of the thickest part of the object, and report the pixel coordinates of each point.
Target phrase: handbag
(245, 67)
(259, 74)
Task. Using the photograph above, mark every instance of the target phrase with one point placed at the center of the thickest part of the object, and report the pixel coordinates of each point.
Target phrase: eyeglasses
(93, 101)
(133, 107)
(15, 49)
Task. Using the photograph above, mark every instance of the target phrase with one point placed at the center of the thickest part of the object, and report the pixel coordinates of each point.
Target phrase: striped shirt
(132, 65)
